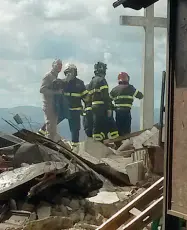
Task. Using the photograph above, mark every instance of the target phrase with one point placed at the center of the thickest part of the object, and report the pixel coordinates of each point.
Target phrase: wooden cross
(149, 22)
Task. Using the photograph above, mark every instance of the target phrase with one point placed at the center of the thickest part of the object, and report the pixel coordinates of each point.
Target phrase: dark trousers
(100, 122)
(123, 121)
(74, 125)
(88, 123)
(112, 129)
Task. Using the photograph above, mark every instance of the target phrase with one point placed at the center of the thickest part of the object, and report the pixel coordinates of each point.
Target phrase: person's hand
(109, 113)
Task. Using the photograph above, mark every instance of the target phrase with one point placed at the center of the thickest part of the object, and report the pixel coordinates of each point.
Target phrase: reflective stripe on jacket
(98, 92)
(123, 95)
(75, 91)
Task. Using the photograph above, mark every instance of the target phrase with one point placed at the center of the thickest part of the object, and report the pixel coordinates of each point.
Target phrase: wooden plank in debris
(140, 202)
(151, 213)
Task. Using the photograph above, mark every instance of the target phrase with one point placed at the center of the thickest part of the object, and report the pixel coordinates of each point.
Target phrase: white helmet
(69, 66)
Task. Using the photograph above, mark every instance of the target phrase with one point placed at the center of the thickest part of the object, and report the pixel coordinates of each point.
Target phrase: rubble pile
(45, 185)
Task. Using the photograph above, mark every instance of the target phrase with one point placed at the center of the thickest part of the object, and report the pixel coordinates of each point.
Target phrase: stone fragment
(127, 145)
(108, 210)
(65, 201)
(81, 214)
(88, 217)
(126, 153)
(85, 226)
(123, 195)
(104, 197)
(52, 223)
(95, 149)
(64, 210)
(56, 213)
(99, 219)
(69, 209)
(74, 204)
(82, 202)
(75, 217)
(43, 211)
(28, 207)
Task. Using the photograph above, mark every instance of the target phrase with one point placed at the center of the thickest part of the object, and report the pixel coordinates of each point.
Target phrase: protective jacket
(123, 96)
(98, 92)
(75, 91)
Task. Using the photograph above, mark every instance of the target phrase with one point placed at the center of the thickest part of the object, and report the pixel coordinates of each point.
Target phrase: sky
(33, 33)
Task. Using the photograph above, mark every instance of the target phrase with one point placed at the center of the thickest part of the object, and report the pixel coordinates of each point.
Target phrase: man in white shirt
(48, 93)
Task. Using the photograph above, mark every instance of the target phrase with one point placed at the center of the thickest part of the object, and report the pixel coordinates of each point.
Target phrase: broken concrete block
(135, 171)
(43, 211)
(75, 217)
(127, 145)
(17, 220)
(104, 197)
(104, 203)
(64, 210)
(95, 148)
(52, 223)
(81, 214)
(118, 163)
(88, 217)
(99, 219)
(65, 201)
(74, 204)
(56, 213)
(123, 195)
(82, 202)
(28, 207)
(69, 209)
(139, 140)
(85, 226)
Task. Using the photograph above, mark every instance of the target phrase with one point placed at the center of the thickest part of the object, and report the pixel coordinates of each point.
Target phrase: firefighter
(101, 104)
(75, 91)
(88, 118)
(123, 96)
(48, 99)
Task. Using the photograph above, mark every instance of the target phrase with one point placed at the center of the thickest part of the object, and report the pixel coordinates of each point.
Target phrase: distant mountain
(33, 118)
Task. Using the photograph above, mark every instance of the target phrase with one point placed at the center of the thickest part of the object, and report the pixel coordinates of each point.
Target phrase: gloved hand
(109, 113)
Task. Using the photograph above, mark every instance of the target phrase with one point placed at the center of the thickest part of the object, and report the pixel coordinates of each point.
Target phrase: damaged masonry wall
(75, 190)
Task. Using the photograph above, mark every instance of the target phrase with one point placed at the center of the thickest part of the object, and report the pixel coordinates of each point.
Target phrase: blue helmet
(100, 68)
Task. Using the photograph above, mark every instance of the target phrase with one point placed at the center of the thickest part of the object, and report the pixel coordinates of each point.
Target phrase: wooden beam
(152, 193)
(152, 212)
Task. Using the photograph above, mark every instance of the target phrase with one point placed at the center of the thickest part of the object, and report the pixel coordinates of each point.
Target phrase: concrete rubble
(45, 185)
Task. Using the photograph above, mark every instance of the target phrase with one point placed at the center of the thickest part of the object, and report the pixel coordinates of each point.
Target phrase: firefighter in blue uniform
(123, 96)
(88, 118)
(75, 91)
(101, 105)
